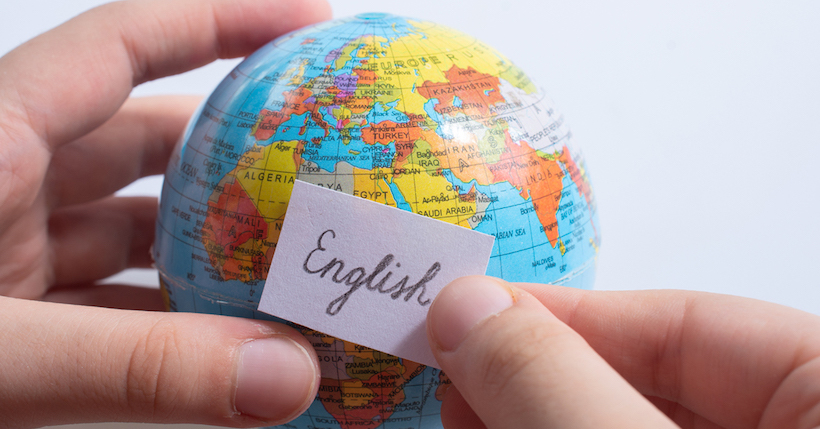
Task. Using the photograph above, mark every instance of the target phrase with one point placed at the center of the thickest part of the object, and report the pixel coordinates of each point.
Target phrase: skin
(69, 138)
(531, 356)
(574, 359)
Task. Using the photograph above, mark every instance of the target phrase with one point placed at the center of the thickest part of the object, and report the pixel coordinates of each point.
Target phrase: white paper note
(366, 272)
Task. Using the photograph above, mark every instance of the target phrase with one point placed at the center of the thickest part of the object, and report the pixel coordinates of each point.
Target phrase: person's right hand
(536, 356)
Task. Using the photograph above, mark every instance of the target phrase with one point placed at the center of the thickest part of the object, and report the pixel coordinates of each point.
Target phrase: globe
(399, 111)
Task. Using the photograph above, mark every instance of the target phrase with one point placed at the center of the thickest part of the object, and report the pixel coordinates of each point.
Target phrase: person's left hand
(70, 138)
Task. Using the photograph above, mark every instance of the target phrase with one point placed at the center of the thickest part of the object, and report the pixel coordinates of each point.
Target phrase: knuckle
(155, 370)
(518, 357)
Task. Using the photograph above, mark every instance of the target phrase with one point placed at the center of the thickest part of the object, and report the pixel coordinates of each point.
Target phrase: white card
(366, 272)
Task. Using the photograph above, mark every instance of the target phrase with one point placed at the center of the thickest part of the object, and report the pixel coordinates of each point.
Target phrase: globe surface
(403, 112)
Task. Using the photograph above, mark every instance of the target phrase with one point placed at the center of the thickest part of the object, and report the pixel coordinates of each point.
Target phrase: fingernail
(464, 303)
(275, 379)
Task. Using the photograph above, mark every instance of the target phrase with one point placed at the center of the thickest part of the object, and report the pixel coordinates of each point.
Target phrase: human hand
(69, 138)
(534, 356)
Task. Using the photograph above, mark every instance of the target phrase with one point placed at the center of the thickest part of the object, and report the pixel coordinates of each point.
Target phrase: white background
(700, 122)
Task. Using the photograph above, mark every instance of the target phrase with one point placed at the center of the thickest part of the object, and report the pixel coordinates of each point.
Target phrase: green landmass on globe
(399, 111)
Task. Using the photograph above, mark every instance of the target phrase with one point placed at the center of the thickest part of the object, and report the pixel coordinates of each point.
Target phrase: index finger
(68, 81)
(725, 358)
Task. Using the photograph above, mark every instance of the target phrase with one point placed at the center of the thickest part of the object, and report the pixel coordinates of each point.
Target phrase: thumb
(517, 365)
(69, 364)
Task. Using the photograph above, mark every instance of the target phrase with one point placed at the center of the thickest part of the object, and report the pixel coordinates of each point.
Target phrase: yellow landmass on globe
(433, 196)
(355, 394)
(372, 185)
(269, 180)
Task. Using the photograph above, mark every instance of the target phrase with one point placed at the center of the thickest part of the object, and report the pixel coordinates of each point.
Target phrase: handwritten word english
(358, 277)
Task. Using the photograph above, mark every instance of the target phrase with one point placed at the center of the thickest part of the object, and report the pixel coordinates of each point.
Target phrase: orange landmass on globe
(577, 175)
(444, 384)
(366, 77)
(385, 132)
(538, 179)
(367, 403)
(356, 104)
(233, 221)
(294, 103)
(477, 92)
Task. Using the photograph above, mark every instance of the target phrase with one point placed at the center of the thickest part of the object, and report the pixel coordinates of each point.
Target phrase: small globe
(403, 112)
